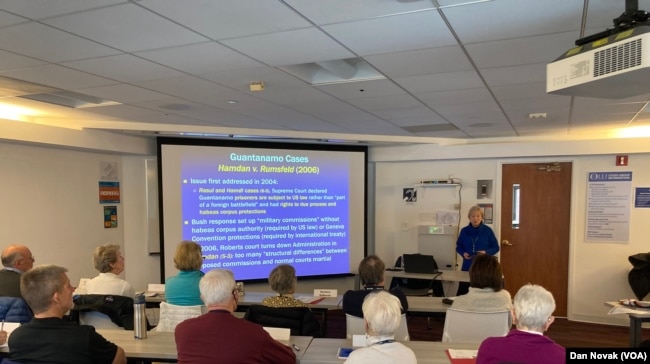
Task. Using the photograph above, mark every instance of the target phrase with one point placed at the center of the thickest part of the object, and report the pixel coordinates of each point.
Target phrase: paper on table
(278, 333)
(624, 309)
(310, 299)
(462, 354)
(9, 327)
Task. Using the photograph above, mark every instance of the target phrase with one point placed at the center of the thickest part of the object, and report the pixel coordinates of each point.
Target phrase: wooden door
(537, 249)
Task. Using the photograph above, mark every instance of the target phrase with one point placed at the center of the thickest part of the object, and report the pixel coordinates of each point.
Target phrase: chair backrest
(172, 315)
(300, 320)
(474, 327)
(356, 326)
(15, 309)
(119, 309)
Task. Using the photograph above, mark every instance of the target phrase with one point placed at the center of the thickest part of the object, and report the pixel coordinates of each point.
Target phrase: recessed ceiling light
(232, 101)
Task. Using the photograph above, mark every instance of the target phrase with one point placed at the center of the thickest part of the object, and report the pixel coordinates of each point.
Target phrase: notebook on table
(419, 263)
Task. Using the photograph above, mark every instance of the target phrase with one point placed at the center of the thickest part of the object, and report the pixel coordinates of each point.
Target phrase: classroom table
(426, 305)
(161, 346)
(636, 321)
(442, 275)
(323, 351)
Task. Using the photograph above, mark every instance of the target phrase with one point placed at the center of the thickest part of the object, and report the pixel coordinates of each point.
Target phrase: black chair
(118, 308)
(417, 287)
(300, 320)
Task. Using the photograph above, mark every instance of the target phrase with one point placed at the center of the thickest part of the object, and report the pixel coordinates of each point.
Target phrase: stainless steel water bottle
(139, 317)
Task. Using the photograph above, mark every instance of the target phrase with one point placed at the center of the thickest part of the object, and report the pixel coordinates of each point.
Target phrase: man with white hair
(382, 314)
(220, 337)
(532, 314)
(16, 260)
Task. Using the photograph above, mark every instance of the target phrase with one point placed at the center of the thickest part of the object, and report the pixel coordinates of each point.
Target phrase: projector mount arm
(632, 17)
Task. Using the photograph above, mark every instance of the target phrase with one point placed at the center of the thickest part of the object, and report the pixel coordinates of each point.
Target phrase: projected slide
(252, 209)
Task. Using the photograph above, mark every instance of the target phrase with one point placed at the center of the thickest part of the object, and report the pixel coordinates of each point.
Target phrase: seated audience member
(283, 281)
(532, 310)
(371, 274)
(220, 337)
(50, 339)
(486, 293)
(382, 313)
(110, 263)
(183, 288)
(16, 260)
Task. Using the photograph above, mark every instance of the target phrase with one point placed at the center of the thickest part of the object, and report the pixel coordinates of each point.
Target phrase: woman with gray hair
(532, 313)
(382, 313)
(283, 281)
(109, 262)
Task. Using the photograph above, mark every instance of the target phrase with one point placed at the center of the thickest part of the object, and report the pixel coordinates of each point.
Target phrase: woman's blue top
(183, 289)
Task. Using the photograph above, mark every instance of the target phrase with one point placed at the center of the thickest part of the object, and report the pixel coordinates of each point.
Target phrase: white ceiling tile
(372, 88)
(531, 73)
(331, 110)
(190, 88)
(38, 9)
(137, 30)
(290, 47)
(58, 77)
(395, 114)
(10, 60)
(394, 33)
(440, 82)
(144, 53)
(229, 18)
(545, 48)
(40, 41)
(200, 58)
(7, 19)
(421, 62)
(523, 91)
(386, 102)
(123, 93)
(469, 108)
(467, 96)
(506, 19)
(124, 67)
(335, 11)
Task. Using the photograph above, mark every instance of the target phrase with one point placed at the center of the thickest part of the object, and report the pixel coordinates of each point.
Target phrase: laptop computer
(419, 263)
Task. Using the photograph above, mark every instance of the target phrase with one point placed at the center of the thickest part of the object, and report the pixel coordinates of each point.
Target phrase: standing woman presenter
(474, 239)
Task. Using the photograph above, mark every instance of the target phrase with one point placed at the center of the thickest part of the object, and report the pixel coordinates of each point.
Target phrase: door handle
(506, 242)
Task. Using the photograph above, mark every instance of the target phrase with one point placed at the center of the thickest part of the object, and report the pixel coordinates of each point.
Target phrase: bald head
(17, 257)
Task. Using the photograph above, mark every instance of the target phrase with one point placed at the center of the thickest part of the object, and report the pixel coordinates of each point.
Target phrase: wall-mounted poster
(110, 217)
(642, 197)
(109, 192)
(608, 206)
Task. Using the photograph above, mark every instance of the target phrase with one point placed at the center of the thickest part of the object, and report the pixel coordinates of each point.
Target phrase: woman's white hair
(533, 307)
(217, 286)
(382, 312)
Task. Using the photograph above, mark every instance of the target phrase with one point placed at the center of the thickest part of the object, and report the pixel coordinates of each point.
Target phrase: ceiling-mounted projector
(613, 64)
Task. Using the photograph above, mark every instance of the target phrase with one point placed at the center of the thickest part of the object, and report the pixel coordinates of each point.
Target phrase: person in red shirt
(220, 337)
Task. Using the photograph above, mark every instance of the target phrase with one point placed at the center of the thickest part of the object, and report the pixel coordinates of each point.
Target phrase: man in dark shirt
(50, 339)
(371, 274)
(16, 260)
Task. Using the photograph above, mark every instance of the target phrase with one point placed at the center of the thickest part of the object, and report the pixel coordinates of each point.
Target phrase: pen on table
(294, 346)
